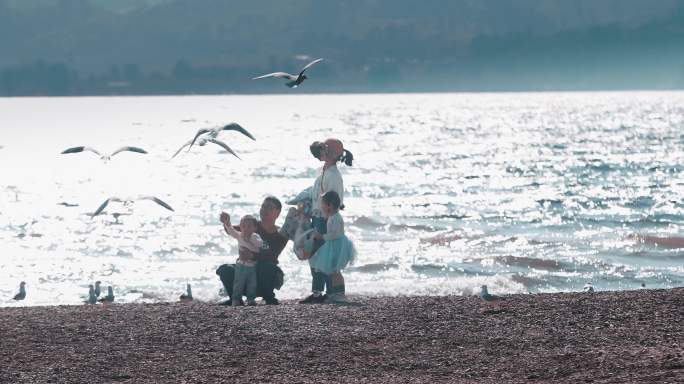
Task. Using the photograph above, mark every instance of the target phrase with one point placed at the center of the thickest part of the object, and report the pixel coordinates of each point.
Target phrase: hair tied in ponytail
(348, 158)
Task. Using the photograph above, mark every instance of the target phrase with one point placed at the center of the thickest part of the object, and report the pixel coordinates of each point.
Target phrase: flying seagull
(202, 141)
(294, 80)
(488, 297)
(92, 299)
(187, 296)
(22, 292)
(129, 201)
(103, 157)
(214, 132)
(109, 298)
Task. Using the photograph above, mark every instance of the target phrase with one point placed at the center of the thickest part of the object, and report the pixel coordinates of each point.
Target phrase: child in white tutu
(337, 252)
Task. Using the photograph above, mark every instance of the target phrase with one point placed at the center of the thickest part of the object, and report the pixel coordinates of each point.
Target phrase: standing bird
(294, 80)
(109, 298)
(97, 288)
(187, 296)
(22, 292)
(588, 287)
(92, 299)
(103, 157)
(487, 297)
(129, 201)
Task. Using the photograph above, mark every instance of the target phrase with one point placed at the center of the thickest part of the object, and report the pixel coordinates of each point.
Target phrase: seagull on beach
(109, 298)
(295, 80)
(187, 296)
(22, 292)
(588, 287)
(103, 157)
(488, 297)
(129, 201)
(92, 299)
(97, 288)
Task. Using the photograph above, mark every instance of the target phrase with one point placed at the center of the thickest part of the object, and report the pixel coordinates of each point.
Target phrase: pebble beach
(602, 337)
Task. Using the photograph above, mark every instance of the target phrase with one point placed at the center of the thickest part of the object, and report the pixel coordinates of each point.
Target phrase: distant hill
(65, 47)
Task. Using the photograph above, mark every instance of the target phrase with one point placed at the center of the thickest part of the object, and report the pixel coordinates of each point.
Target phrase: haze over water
(525, 192)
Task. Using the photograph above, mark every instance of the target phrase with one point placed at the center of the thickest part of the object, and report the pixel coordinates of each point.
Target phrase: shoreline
(618, 336)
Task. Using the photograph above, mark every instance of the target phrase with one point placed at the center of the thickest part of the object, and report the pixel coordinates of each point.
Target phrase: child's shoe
(238, 303)
(335, 298)
(313, 299)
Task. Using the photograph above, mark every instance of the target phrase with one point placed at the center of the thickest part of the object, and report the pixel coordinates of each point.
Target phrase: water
(536, 192)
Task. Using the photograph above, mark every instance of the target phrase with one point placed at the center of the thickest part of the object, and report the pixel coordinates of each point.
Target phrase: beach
(602, 337)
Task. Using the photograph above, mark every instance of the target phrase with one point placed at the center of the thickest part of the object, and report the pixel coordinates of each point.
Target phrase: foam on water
(522, 192)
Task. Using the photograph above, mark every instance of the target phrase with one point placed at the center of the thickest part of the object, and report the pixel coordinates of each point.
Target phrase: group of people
(261, 241)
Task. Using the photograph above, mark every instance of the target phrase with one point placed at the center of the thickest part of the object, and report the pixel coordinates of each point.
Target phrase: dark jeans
(267, 274)
(245, 283)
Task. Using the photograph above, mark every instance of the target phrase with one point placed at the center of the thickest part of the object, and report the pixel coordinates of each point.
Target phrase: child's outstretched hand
(225, 218)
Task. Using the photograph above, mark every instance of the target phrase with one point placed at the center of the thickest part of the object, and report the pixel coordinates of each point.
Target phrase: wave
(445, 270)
(367, 223)
(660, 220)
(669, 242)
(372, 268)
(444, 239)
(525, 262)
(372, 224)
(529, 262)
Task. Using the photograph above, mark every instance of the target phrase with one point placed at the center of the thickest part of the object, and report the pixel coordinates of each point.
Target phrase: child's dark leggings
(321, 282)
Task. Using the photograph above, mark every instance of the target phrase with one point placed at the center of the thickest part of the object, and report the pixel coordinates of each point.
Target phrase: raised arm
(231, 231)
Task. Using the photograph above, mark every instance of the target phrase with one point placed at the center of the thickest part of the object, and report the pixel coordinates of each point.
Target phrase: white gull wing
(224, 146)
(237, 127)
(309, 66)
(103, 205)
(284, 75)
(181, 148)
(129, 149)
(80, 149)
(156, 200)
(100, 208)
(201, 132)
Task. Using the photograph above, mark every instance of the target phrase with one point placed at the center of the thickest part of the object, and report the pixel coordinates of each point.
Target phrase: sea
(523, 192)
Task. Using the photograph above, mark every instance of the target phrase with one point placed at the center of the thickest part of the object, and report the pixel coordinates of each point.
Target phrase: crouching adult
(269, 275)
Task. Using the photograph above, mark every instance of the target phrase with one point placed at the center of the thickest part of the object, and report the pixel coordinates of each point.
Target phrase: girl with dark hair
(330, 179)
(336, 252)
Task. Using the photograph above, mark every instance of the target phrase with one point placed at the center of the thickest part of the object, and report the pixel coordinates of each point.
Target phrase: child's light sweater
(252, 244)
